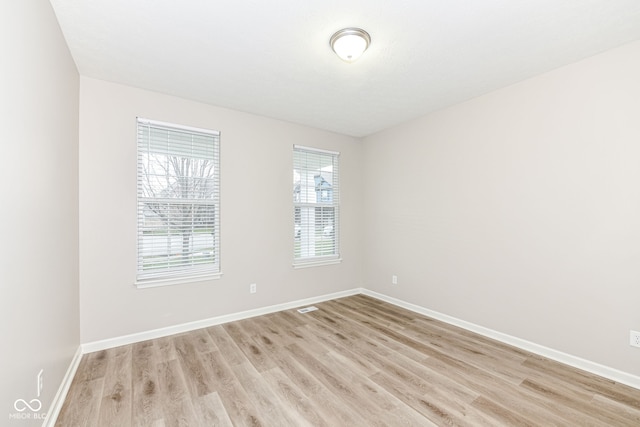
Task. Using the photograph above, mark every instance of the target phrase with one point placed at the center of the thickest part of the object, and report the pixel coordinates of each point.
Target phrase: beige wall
(39, 212)
(519, 210)
(256, 217)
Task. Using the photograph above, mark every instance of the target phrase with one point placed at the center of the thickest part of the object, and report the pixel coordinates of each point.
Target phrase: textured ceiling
(273, 57)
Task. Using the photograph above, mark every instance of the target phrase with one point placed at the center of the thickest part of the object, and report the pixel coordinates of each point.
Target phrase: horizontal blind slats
(316, 197)
(178, 200)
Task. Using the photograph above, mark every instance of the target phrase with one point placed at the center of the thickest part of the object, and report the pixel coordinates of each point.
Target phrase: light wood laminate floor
(356, 361)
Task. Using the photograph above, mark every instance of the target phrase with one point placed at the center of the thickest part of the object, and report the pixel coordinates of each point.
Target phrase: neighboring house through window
(178, 203)
(316, 200)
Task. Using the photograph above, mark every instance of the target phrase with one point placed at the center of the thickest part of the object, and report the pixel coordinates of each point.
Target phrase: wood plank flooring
(356, 361)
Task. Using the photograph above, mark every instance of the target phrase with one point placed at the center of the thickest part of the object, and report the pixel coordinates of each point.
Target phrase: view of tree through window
(178, 200)
(316, 204)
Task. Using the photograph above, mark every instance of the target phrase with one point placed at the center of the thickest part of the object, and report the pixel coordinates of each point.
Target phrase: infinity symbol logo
(21, 405)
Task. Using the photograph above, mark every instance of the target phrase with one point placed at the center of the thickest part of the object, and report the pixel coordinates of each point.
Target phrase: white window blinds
(178, 201)
(316, 201)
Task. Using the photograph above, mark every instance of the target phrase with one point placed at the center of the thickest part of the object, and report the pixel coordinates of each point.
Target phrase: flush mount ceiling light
(350, 43)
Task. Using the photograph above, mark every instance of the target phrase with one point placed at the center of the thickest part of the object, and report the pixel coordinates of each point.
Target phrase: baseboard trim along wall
(199, 324)
(577, 362)
(558, 356)
(61, 395)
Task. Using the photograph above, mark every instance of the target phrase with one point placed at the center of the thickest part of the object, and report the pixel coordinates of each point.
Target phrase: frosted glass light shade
(349, 44)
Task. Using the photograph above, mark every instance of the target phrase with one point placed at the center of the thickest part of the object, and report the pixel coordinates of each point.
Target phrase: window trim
(299, 263)
(317, 262)
(178, 280)
(196, 273)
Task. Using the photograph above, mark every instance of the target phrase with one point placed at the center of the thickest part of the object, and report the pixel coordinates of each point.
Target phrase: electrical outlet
(252, 288)
(634, 338)
(394, 280)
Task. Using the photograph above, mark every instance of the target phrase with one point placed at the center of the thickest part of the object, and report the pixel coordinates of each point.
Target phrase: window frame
(196, 268)
(331, 202)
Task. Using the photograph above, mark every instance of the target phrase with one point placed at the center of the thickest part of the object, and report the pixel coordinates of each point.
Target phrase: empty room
(320, 213)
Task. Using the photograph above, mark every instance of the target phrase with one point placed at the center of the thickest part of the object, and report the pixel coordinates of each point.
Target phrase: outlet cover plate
(634, 338)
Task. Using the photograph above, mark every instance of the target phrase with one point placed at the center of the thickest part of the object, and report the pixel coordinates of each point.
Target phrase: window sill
(154, 283)
(316, 263)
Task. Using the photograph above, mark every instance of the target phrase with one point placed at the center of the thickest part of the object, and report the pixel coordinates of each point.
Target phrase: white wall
(519, 210)
(256, 217)
(39, 212)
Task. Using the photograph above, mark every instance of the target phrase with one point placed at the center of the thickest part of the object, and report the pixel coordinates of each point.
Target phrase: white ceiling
(273, 57)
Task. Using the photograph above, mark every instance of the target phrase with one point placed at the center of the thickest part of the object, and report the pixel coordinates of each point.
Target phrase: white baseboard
(567, 359)
(58, 400)
(186, 327)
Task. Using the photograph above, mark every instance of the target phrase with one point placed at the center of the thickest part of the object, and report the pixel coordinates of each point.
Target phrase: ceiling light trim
(350, 43)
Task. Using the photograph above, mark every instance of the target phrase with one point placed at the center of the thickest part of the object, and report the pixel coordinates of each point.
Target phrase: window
(178, 203)
(316, 206)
